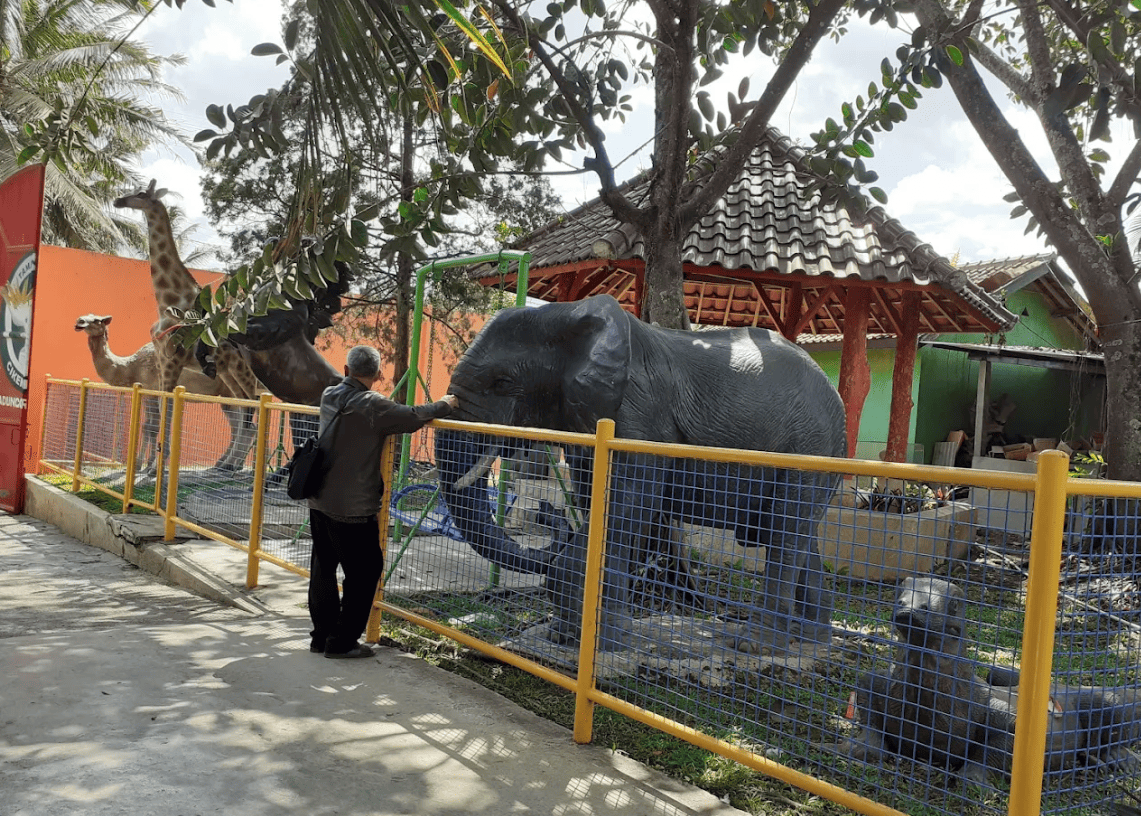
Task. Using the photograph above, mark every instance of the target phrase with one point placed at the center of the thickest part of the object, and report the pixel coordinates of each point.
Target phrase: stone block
(877, 546)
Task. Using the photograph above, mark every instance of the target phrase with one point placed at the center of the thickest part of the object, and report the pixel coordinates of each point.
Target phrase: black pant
(337, 621)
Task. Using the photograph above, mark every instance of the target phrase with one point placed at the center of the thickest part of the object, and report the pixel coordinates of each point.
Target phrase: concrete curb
(134, 538)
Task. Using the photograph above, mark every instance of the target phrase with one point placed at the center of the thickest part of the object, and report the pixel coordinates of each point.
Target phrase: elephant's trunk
(473, 407)
(457, 455)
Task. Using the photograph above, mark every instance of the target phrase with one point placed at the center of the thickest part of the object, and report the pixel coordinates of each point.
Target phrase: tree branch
(1097, 272)
(696, 202)
(1071, 159)
(600, 163)
(1126, 176)
(1077, 22)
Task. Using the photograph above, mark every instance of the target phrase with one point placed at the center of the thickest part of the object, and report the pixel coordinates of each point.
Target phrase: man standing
(343, 513)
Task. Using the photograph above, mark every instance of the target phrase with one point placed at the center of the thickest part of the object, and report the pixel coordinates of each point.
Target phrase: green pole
(412, 376)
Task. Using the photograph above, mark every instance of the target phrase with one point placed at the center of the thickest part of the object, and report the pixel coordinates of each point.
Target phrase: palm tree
(71, 85)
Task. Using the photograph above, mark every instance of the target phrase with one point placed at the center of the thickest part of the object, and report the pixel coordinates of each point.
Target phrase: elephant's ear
(598, 363)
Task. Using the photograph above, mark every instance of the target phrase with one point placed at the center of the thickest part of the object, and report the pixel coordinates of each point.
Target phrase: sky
(941, 182)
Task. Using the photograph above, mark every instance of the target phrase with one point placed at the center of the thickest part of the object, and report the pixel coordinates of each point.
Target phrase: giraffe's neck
(173, 284)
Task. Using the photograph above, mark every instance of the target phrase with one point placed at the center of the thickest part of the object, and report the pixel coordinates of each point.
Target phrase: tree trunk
(1121, 344)
(402, 292)
(1107, 278)
(664, 299)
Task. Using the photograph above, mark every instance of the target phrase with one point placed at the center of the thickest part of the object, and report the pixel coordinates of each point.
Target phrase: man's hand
(451, 399)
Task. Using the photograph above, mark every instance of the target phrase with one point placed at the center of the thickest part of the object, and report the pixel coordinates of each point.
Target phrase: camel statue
(142, 367)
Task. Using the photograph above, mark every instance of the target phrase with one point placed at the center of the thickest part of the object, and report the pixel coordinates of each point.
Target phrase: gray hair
(363, 361)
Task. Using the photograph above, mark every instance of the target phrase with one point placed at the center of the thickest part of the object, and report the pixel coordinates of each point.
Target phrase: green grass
(104, 501)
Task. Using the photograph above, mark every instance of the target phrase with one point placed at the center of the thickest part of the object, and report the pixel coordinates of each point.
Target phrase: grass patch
(104, 501)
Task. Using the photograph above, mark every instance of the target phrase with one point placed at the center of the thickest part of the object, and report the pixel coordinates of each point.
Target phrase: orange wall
(72, 282)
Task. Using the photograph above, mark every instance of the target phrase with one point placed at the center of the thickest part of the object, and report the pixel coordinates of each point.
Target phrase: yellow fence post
(175, 453)
(258, 506)
(79, 435)
(387, 458)
(592, 579)
(1038, 635)
(132, 446)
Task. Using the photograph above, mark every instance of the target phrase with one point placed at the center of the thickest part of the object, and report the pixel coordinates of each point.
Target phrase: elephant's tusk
(478, 471)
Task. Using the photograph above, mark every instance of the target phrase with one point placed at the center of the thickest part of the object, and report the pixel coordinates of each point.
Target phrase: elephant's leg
(634, 502)
(301, 427)
(796, 600)
(564, 584)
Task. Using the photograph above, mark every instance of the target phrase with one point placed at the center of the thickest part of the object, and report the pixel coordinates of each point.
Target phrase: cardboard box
(1044, 443)
(1019, 451)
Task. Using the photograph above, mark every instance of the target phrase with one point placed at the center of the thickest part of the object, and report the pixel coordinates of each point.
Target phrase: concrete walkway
(128, 695)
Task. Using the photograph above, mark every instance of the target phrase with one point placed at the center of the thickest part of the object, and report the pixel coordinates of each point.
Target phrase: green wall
(877, 408)
(1044, 396)
(945, 382)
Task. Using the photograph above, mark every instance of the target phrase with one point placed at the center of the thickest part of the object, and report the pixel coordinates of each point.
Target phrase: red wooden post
(855, 375)
(902, 378)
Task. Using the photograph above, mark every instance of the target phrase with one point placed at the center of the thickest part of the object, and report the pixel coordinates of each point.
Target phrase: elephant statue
(564, 366)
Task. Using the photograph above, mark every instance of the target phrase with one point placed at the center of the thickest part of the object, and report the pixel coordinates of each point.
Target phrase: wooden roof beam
(938, 307)
(770, 310)
(815, 306)
(889, 310)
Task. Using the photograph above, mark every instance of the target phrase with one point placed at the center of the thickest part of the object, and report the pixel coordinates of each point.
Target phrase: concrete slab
(125, 696)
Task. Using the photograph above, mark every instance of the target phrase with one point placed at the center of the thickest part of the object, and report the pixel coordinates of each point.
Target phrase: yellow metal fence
(223, 460)
(674, 640)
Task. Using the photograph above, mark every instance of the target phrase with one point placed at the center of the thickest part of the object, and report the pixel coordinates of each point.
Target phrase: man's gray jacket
(352, 486)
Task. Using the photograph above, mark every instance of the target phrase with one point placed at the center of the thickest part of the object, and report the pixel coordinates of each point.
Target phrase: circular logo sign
(16, 321)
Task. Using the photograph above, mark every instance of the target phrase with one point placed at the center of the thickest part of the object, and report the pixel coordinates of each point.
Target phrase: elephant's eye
(501, 386)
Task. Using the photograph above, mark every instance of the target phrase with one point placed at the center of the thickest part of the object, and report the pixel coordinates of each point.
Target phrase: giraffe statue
(175, 288)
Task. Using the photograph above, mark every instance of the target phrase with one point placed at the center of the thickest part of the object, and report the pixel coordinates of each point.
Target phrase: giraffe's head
(143, 199)
(94, 325)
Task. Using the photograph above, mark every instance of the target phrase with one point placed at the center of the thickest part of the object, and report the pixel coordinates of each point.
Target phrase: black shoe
(313, 647)
(360, 650)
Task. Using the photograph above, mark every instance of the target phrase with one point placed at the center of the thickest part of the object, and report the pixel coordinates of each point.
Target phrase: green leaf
(359, 233)
(368, 213)
(203, 135)
(705, 105)
(473, 34)
(878, 194)
(864, 149)
(265, 49)
(216, 116)
(27, 153)
(955, 54)
(291, 33)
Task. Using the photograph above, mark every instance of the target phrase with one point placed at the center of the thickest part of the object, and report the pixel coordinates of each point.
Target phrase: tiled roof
(765, 224)
(1041, 273)
(993, 275)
